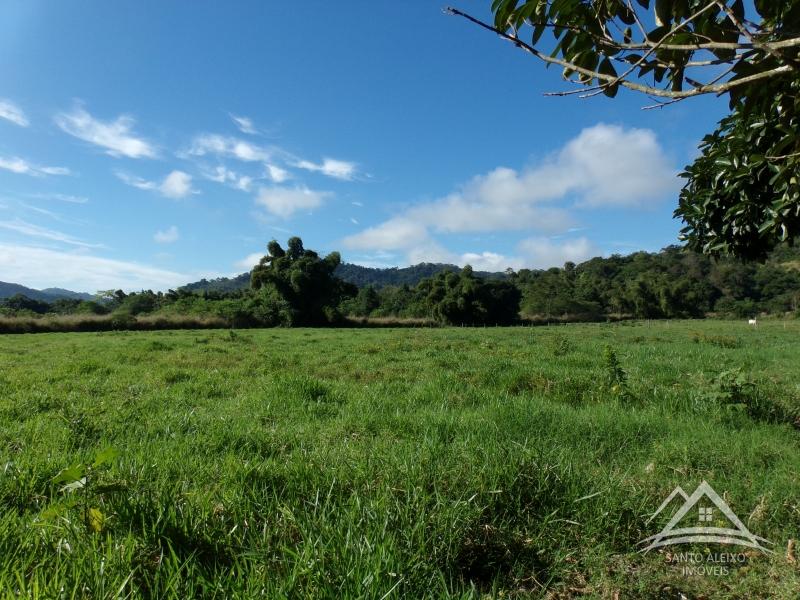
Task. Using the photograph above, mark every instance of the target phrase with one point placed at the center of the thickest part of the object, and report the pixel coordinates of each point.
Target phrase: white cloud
(23, 167)
(12, 112)
(604, 166)
(338, 169)
(395, 234)
(62, 198)
(168, 236)
(224, 175)
(176, 184)
(284, 202)
(231, 147)
(532, 253)
(249, 261)
(543, 253)
(115, 136)
(41, 268)
(612, 166)
(489, 261)
(136, 182)
(277, 174)
(31, 230)
(245, 125)
(244, 183)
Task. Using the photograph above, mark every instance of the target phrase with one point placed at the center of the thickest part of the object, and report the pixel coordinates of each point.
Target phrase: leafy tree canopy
(302, 280)
(742, 195)
(463, 298)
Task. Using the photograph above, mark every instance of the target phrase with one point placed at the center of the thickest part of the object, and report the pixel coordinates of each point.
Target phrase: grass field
(391, 463)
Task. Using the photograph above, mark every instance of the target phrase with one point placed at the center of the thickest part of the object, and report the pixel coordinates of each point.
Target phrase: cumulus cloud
(612, 166)
(249, 261)
(31, 230)
(11, 112)
(117, 137)
(176, 184)
(604, 166)
(489, 261)
(168, 236)
(284, 201)
(543, 253)
(40, 268)
(23, 167)
(395, 234)
(338, 169)
(531, 253)
(244, 124)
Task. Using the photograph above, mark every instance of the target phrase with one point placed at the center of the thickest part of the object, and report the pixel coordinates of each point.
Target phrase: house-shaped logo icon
(737, 534)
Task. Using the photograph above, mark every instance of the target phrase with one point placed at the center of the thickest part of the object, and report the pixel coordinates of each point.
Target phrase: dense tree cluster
(297, 287)
(673, 283)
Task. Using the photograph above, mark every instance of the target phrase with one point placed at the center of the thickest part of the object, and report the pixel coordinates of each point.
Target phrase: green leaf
(105, 456)
(607, 68)
(70, 474)
(663, 12)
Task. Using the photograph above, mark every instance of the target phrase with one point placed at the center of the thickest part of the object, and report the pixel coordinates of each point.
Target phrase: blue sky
(147, 144)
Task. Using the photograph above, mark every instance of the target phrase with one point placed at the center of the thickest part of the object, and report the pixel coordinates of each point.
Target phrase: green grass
(392, 463)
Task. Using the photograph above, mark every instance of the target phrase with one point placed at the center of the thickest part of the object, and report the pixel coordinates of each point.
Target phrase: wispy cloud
(284, 201)
(228, 146)
(31, 230)
(61, 198)
(168, 236)
(176, 184)
(116, 137)
(244, 124)
(222, 174)
(41, 268)
(338, 169)
(11, 112)
(23, 167)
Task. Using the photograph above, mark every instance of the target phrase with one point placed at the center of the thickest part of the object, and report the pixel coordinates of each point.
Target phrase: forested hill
(7, 290)
(355, 274)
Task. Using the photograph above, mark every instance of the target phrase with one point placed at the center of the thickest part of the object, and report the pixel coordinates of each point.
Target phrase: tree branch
(646, 89)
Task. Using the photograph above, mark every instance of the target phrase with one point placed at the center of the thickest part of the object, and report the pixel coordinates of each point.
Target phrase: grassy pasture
(392, 463)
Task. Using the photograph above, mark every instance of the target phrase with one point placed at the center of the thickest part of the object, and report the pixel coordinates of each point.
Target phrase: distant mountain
(355, 274)
(46, 295)
(62, 293)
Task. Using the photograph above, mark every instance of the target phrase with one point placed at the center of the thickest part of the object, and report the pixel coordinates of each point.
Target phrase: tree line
(296, 286)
